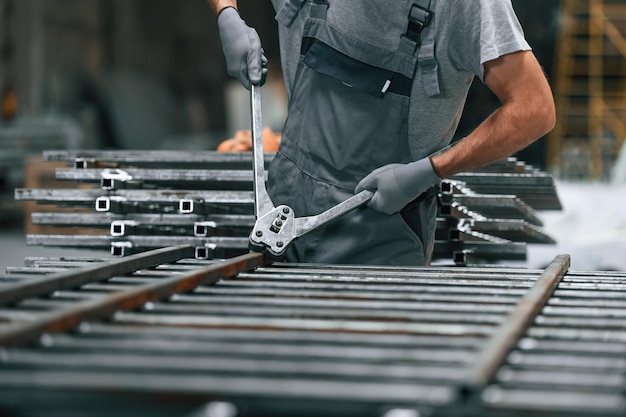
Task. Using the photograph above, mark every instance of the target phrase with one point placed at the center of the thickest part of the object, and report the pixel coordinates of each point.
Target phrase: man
(376, 89)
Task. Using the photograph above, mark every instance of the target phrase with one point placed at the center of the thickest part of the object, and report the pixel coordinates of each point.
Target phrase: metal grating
(162, 334)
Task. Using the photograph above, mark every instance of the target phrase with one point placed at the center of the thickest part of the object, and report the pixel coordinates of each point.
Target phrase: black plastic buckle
(419, 18)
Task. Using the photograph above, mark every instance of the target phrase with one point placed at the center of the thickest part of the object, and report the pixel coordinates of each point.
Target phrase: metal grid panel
(288, 339)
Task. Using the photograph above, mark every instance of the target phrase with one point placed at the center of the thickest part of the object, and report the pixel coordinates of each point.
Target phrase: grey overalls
(348, 114)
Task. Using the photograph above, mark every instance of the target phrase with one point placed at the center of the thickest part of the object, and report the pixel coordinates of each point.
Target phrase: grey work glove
(242, 49)
(396, 185)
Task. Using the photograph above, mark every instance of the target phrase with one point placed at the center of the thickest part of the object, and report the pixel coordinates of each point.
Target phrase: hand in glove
(396, 185)
(242, 49)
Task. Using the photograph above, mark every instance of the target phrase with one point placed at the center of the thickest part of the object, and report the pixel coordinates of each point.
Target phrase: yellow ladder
(589, 89)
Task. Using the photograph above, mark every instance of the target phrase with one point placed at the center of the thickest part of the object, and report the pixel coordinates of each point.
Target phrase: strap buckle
(419, 18)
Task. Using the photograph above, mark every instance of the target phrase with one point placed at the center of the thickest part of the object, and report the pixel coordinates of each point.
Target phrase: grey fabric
(288, 13)
(332, 132)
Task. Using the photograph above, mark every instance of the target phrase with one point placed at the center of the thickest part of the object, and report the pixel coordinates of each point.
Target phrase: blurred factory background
(149, 74)
(111, 111)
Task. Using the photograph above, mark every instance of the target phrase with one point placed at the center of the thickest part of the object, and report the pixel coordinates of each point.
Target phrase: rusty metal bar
(503, 340)
(75, 278)
(59, 321)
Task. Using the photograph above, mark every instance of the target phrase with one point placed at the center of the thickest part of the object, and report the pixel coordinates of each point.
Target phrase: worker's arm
(240, 43)
(526, 113)
(219, 5)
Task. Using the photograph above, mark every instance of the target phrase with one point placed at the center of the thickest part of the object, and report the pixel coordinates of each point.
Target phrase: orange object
(242, 141)
(9, 102)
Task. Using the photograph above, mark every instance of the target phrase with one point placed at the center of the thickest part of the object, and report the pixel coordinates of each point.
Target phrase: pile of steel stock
(139, 200)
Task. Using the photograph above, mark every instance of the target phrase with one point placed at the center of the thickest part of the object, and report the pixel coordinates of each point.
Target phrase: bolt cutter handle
(276, 227)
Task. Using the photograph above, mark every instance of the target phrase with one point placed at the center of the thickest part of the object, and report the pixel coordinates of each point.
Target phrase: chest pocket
(370, 79)
(348, 112)
(347, 64)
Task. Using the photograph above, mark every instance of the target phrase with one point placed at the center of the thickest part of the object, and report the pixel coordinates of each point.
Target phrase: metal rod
(159, 175)
(75, 278)
(88, 196)
(503, 340)
(151, 157)
(59, 321)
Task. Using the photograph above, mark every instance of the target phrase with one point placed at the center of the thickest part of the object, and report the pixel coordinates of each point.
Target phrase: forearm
(505, 132)
(527, 113)
(218, 5)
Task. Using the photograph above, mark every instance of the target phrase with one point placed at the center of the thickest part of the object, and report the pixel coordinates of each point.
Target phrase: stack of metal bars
(163, 334)
(481, 228)
(141, 200)
(512, 176)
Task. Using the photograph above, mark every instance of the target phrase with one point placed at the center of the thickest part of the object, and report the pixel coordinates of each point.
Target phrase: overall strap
(290, 9)
(420, 38)
(288, 12)
(319, 8)
(427, 63)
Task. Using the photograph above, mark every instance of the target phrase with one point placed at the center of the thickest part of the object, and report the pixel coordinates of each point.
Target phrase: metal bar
(142, 219)
(350, 368)
(500, 344)
(75, 278)
(159, 175)
(156, 241)
(262, 202)
(357, 326)
(88, 196)
(512, 229)
(495, 206)
(60, 321)
(112, 333)
(217, 342)
(152, 157)
(473, 179)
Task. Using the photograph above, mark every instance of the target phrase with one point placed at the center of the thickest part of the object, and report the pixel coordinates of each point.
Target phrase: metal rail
(85, 158)
(112, 179)
(500, 344)
(42, 286)
(90, 197)
(97, 309)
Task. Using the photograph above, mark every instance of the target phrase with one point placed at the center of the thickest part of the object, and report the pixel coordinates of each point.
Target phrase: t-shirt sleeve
(481, 31)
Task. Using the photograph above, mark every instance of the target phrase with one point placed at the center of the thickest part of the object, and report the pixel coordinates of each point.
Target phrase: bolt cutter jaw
(274, 232)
